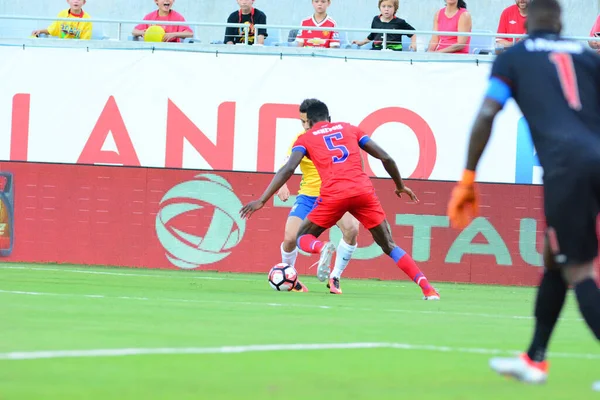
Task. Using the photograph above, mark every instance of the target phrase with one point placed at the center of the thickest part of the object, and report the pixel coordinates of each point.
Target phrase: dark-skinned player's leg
(325, 214)
(368, 211)
(531, 367)
(382, 235)
(570, 248)
(549, 302)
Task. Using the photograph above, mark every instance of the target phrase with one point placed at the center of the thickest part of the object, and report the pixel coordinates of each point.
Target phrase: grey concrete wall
(579, 14)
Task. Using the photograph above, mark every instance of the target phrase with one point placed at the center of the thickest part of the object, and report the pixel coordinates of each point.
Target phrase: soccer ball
(283, 277)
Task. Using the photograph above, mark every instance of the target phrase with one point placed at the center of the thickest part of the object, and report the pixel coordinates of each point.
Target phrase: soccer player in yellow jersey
(310, 188)
(75, 29)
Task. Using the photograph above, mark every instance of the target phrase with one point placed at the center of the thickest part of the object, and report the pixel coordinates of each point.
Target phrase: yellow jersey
(71, 30)
(311, 181)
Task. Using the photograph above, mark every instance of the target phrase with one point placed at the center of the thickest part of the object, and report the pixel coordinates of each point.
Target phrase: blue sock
(397, 254)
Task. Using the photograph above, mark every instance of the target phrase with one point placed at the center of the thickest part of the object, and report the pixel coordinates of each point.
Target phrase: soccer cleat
(325, 261)
(431, 294)
(299, 287)
(334, 286)
(521, 368)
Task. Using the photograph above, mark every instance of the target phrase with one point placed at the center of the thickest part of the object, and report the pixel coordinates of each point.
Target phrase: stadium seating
(17, 28)
(98, 34)
(482, 44)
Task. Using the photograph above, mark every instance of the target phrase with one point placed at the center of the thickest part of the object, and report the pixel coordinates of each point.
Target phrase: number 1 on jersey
(568, 78)
(333, 147)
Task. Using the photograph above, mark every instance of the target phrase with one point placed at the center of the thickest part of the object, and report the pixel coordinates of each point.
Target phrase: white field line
(83, 271)
(257, 304)
(186, 275)
(36, 355)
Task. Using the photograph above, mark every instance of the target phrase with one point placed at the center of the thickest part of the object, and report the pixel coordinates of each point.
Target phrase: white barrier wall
(239, 112)
(579, 16)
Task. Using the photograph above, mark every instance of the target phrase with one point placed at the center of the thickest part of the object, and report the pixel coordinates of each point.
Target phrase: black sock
(588, 298)
(550, 299)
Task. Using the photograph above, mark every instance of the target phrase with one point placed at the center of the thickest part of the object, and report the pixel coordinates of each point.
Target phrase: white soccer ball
(283, 277)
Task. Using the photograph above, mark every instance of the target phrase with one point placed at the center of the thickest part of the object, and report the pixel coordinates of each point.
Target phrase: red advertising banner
(173, 218)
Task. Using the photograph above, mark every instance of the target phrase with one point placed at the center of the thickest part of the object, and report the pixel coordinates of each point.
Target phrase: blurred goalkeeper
(556, 83)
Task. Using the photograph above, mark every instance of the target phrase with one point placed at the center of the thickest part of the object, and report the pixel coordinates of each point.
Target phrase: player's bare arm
(482, 130)
(280, 178)
(374, 150)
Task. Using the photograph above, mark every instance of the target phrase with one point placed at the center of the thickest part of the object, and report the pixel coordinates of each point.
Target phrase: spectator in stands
(313, 38)
(452, 18)
(595, 32)
(512, 21)
(76, 29)
(250, 16)
(173, 33)
(388, 20)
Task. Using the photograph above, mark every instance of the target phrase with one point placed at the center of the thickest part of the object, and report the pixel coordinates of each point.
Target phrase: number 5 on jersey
(336, 147)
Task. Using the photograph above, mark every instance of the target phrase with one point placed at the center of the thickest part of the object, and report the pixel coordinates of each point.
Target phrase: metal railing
(385, 32)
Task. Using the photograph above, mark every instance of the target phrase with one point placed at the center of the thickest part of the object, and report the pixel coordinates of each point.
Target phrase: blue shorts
(303, 205)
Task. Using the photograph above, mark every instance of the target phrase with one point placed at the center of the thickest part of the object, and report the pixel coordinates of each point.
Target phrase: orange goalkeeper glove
(464, 203)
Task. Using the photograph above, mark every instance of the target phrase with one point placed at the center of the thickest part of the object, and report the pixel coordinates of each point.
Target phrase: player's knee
(289, 241)
(350, 232)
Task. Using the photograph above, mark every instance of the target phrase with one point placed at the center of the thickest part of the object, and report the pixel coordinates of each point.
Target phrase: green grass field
(195, 337)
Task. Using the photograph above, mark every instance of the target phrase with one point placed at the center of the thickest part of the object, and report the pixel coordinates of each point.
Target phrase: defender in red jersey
(334, 148)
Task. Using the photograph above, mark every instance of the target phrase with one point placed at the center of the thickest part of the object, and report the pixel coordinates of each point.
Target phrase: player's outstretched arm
(374, 150)
(280, 178)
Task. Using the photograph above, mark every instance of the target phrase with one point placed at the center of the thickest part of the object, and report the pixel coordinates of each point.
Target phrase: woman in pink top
(595, 32)
(173, 33)
(452, 18)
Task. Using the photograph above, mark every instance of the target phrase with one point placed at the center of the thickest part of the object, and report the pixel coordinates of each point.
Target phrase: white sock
(289, 258)
(342, 258)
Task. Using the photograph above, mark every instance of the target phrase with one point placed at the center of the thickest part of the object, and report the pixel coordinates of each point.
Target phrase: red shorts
(366, 208)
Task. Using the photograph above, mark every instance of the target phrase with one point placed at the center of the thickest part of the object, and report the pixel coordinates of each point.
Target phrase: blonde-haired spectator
(452, 18)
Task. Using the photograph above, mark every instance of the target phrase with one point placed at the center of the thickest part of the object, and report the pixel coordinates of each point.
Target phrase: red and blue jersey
(334, 148)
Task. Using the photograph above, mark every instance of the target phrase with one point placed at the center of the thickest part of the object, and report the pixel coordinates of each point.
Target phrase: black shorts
(571, 205)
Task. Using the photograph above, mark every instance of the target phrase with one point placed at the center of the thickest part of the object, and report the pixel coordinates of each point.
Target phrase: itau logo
(187, 250)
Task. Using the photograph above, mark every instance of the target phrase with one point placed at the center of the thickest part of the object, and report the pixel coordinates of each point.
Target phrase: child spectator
(320, 19)
(173, 33)
(388, 20)
(452, 18)
(249, 15)
(512, 21)
(595, 32)
(76, 29)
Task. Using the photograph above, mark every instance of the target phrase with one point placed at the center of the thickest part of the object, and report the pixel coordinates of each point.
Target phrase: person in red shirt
(173, 33)
(334, 148)
(320, 19)
(595, 32)
(512, 21)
